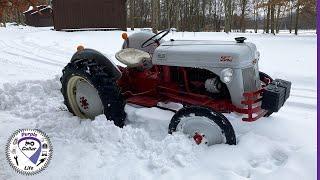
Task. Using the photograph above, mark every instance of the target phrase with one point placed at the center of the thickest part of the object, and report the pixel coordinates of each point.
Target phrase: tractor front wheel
(88, 91)
(203, 125)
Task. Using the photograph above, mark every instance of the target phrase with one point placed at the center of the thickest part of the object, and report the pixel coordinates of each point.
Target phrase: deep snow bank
(142, 149)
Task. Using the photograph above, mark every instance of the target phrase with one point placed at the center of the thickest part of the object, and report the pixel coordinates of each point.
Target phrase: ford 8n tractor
(207, 77)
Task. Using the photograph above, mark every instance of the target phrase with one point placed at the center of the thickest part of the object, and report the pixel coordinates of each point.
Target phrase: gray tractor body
(214, 56)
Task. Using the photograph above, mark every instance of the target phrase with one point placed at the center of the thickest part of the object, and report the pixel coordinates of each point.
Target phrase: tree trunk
(215, 17)
(219, 16)
(185, 16)
(256, 13)
(5, 11)
(132, 14)
(290, 21)
(178, 18)
(264, 21)
(197, 15)
(268, 19)
(256, 24)
(209, 21)
(232, 9)
(278, 19)
(3, 17)
(155, 15)
(181, 20)
(227, 27)
(297, 18)
(203, 8)
(272, 18)
(168, 3)
(242, 21)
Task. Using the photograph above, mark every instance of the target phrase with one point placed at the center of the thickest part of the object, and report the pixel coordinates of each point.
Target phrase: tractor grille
(251, 80)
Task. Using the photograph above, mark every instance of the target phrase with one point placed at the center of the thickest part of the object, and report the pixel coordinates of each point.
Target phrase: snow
(29, 9)
(282, 146)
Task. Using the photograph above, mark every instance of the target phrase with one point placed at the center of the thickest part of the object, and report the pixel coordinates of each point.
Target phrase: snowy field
(276, 148)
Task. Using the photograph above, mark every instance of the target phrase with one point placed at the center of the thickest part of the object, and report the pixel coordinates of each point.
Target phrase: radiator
(251, 80)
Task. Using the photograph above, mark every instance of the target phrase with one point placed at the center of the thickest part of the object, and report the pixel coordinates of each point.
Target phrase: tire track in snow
(47, 50)
(35, 60)
(13, 51)
(302, 97)
(301, 105)
(304, 89)
(44, 48)
(31, 50)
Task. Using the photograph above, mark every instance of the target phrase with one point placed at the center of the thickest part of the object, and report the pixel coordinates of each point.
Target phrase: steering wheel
(155, 40)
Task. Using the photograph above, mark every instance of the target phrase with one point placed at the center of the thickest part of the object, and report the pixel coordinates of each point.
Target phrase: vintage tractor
(207, 77)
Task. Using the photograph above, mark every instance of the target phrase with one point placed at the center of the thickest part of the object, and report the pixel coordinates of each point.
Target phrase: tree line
(200, 15)
(12, 10)
(223, 15)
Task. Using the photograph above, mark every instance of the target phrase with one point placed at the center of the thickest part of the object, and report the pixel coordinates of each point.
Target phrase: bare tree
(132, 14)
(297, 18)
(168, 9)
(203, 10)
(155, 4)
(272, 17)
(268, 17)
(290, 16)
(227, 16)
(242, 20)
(278, 18)
(255, 15)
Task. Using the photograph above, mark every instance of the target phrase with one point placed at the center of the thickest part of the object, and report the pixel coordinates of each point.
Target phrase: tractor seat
(134, 58)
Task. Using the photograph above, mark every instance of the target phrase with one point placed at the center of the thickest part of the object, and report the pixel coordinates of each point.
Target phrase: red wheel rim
(197, 138)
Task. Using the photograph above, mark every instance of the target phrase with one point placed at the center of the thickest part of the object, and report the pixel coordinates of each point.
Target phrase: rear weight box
(284, 84)
(273, 97)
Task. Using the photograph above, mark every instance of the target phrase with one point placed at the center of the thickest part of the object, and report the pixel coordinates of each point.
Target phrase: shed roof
(32, 9)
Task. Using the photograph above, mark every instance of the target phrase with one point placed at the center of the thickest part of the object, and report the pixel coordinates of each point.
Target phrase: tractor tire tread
(108, 90)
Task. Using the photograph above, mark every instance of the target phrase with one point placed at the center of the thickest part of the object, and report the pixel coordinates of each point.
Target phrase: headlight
(226, 75)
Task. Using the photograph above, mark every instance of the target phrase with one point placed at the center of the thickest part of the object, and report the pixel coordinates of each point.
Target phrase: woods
(12, 10)
(200, 15)
(223, 15)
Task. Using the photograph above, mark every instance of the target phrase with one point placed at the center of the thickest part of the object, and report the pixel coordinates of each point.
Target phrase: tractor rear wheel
(203, 125)
(88, 91)
(265, 80)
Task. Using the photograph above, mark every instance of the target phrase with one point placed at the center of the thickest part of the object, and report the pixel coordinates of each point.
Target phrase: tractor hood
(206, 54)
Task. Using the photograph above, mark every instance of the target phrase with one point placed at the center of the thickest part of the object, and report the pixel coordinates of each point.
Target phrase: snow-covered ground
(280, 147)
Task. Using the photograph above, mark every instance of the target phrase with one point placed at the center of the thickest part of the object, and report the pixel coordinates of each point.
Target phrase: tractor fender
(100, 59)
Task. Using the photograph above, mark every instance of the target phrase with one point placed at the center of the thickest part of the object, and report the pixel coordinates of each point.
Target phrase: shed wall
(80, 14)
(34, 18)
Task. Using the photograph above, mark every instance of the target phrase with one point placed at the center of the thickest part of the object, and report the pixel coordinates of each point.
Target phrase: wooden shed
(40, 17)
(89, 14)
